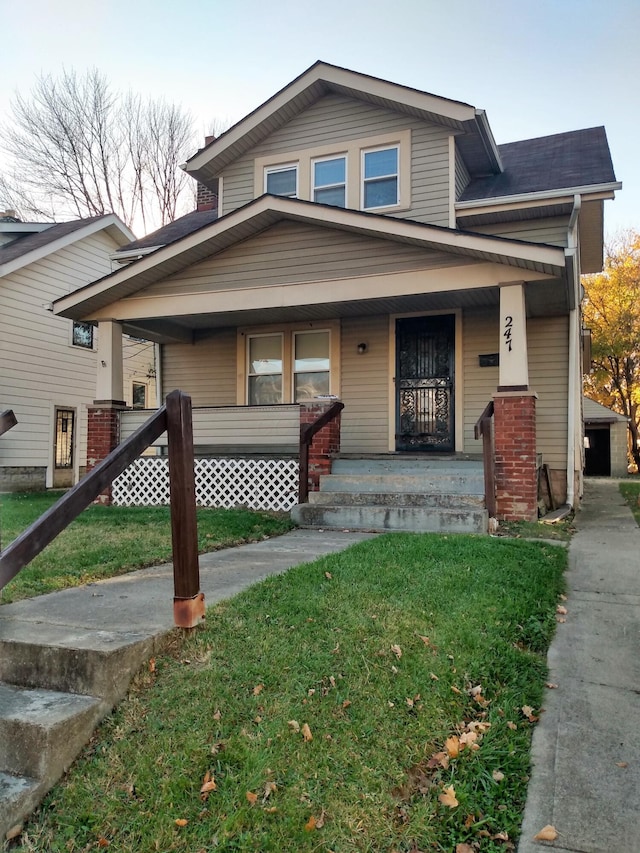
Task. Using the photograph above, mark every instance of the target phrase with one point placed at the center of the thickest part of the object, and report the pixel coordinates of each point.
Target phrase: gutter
(574, 355)
(541, 194)
(131, 255)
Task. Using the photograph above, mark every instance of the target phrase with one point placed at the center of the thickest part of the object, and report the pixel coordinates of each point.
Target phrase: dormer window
(380, 178)
(282, 180)
(330, 181)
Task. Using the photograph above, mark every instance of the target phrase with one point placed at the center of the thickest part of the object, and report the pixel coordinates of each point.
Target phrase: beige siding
(339, 119)
(264, 426)
(365, 385)
(552, 231)
(291, 252)
(138, 365)
(205, 370)
(548, 376)
(39, 368)
(479, 337)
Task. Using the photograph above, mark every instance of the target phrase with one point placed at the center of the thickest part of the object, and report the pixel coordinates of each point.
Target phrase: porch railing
(174, 417)
(484, 429)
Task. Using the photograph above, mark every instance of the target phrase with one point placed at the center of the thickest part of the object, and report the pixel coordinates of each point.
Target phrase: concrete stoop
(56, 685)
(436, 495)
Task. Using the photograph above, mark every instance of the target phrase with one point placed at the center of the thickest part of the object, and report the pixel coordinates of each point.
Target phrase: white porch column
(514, 364)
(109, 369)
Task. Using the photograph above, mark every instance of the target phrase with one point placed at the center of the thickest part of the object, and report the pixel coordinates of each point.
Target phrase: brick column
(103, 435)
(515, 454)
(325, 443)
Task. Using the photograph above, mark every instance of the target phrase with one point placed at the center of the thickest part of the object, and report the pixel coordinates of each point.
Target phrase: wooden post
(188, 601)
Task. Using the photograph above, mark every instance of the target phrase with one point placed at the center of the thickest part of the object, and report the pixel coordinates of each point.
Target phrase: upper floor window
(330, 181)
(282, 180)
(380, 178)
(139, 395)
(82, 335)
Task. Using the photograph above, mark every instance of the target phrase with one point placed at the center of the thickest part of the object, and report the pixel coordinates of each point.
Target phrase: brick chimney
(207, 198)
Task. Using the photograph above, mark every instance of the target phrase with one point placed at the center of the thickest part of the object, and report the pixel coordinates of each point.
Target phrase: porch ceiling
(543, 298)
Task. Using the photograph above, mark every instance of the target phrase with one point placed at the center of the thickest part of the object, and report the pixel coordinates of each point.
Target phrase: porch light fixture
(362, 348)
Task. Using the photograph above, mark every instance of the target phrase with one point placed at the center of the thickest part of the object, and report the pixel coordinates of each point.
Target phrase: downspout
(574, 355)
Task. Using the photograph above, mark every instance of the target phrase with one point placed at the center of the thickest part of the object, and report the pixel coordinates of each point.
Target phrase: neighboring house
(606, 441)
(374, 243)
(48, 363)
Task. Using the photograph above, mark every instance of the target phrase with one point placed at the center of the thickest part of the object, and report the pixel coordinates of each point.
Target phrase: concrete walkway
(142, 602)
(586, 748)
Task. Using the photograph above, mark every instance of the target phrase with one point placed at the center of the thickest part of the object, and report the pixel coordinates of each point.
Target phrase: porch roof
(521, 260)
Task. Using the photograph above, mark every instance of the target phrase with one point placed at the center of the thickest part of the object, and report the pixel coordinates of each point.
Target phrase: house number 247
(507, 334)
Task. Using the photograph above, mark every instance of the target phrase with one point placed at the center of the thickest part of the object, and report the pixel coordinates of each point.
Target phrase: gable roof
(266, 211)
(476, 141)
(34, 246)
(593, 412)
(562, 161)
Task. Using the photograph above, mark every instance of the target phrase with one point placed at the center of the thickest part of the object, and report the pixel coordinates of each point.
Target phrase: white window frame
(294, 372)
(352, 150)
(344, 184)
(364, 180)
(283, 167)
(286, 331)
(93, 346)
(140, 384)
(247, 363)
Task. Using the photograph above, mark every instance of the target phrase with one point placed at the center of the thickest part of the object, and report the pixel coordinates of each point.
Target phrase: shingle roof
(24, 245)
(173, 231)
(574, 159)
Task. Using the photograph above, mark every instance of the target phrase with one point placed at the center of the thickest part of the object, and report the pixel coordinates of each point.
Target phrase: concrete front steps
(413, 493)
(56, 685)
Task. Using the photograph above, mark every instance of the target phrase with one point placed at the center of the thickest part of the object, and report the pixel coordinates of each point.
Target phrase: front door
(424, 383)
(64, 445)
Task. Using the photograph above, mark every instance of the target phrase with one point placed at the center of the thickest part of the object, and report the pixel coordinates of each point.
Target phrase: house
(375, 244)
(48, 363)
(606, 441)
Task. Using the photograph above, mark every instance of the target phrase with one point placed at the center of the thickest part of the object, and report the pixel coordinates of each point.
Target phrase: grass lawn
(630, 490)
(381, 699)
(107, 541)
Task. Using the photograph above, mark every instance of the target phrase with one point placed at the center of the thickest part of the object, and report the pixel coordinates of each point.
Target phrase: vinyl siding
(138, 361)
(548, 377)
(548, 339)
(205, 370)
(553, 231)
(291, 252)
(365, 385)
(336, 119)
(39, 368)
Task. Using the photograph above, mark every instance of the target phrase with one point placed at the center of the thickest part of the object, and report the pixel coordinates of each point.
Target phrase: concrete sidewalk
(586, 748)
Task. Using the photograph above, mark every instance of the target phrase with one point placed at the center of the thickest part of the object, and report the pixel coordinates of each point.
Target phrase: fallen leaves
(527, 712)
(306, 733)
(396, 650)
(448, 797)
(252, 798)
(547, 833)
(181, 821)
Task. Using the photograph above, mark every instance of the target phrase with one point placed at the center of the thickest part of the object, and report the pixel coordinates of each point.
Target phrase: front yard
(381, 699)
(107, 541)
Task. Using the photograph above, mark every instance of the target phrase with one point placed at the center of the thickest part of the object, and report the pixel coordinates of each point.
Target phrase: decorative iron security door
(424, 383)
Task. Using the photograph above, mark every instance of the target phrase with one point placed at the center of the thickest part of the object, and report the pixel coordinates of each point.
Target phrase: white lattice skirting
(255, 483)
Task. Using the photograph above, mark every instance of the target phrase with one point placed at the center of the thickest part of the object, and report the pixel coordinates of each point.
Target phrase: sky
(536, 67)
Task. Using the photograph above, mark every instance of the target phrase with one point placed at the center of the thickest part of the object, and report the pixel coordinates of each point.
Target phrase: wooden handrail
(483, 428)
(307, 432)
(7, 420)
(175, 417)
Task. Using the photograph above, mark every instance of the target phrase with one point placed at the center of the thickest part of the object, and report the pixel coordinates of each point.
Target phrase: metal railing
(174, 417)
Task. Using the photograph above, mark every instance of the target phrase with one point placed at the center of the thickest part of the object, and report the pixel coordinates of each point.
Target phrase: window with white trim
(330, 181)
(311, 365)
(264, 374)
(380, 178)
(282, 180)
(139, 395)
(82, 335)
